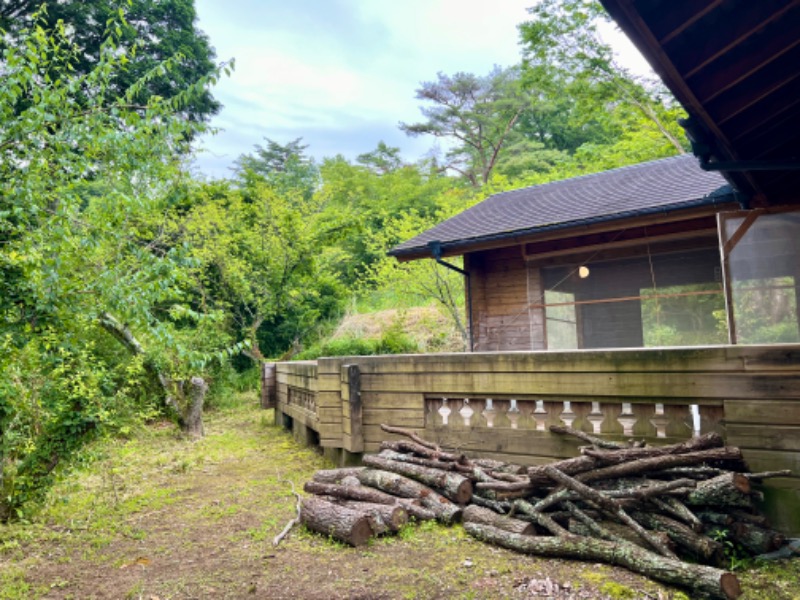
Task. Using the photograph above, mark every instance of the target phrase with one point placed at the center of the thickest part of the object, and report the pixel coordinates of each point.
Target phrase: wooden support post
(354, 399)
(269, 385)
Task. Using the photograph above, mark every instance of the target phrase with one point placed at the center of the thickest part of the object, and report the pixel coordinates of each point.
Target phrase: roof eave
(462, 246)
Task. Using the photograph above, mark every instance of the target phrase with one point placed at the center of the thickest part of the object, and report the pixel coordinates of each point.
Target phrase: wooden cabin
(684, 251)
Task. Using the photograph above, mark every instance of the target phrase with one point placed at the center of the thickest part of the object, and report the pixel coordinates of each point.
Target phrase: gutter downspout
(436, 253)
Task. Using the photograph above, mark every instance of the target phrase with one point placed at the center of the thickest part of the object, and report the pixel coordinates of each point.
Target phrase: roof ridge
(570, 180)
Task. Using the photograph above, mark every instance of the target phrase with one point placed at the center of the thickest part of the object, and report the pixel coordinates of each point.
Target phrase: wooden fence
(501, 404)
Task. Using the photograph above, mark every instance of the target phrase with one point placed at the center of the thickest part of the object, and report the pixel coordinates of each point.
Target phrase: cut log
(415, 510)
(642, 489)
(757, 540)
(343, 524)
(383, 518)
(768, 474)
(336, 475)
(613, 457)
(700, 546)
(477, 514)
(728, 490)
(541, 519)
(498, 465)
(678, 509)
(454, 486)
(593, 440)
(398, 485)
(410, 435)
(656, 463)
(609, 505)
(417, 460)
(570, 466)
(500, 507)
(701, 579)
(582, 524)
(407, 447)
(360, 493)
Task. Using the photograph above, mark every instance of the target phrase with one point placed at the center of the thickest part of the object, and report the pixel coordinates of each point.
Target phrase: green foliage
(84, 174)
(152, 31)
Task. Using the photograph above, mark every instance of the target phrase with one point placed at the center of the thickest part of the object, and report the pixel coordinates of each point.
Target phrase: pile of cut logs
(671, 513)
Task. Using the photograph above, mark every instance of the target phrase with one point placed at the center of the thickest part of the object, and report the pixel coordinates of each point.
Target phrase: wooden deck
(500, 404)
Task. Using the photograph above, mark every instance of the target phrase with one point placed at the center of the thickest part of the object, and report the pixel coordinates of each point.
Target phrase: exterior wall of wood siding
(501, 319)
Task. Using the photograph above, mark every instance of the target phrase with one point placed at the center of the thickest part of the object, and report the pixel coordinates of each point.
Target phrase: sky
(342, 74)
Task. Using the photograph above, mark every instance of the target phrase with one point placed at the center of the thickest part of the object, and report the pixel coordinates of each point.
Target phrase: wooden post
(269, 385)
(354, 393)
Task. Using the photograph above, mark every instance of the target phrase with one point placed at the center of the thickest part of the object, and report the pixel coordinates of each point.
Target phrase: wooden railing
(501, 404)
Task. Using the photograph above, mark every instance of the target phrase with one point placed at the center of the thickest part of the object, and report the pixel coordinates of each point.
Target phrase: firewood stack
(673, 513)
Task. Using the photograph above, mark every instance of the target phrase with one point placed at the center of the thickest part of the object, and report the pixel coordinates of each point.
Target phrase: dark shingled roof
(663, 185)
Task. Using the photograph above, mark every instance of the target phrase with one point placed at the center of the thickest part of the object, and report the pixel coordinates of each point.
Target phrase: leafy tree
(156, 30)
(284, 167)
(83, 175)
(563, 50)
(256, 255)
(477, 114)
(384, 159)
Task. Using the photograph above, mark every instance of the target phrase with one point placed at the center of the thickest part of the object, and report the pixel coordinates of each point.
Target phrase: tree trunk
(193, 418)
(484, 516)
(705, 580)
(343, 524)
(452, 485)
(397, 485)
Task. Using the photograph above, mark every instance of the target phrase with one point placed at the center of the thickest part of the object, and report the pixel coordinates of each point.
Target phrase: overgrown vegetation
(124, 281)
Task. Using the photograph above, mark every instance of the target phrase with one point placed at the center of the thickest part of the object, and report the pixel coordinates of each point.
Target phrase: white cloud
(341, 74)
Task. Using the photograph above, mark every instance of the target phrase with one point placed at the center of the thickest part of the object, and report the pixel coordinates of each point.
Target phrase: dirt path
(157, 517)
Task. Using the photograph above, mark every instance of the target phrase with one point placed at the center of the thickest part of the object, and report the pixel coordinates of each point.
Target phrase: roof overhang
(619, 221)
(735, 67)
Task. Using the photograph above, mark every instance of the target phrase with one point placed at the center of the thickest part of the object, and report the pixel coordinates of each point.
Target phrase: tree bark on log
(729, 490)
(336, 475)
(383, 518)
(410, 435)
(398, 485)
(706, 580)
(677, 509)
(657, 463)
(613, 457)
(360, 493)
(485, 516)
(570, 466)
(193, 416)
(343, 524)
(415, 510)
(540, 518)
(611, 506)
(409, 447)
(417, 460)
(454, 486)
(757, 540)
(593, 440)
(698, 545)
